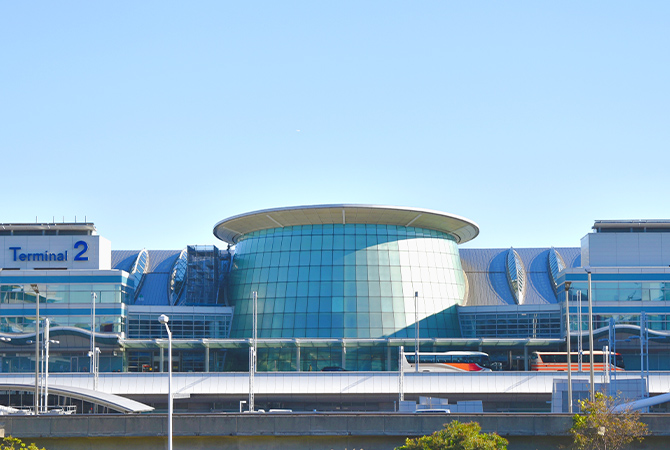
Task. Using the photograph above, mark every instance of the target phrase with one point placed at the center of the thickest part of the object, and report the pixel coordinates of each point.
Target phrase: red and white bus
(557, 362)
(456, 361)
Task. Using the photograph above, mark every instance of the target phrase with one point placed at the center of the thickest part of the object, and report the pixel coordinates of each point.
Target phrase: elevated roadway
(511, 388)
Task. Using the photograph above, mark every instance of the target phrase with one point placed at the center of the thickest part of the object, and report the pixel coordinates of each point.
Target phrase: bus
(456, 361)
(556, 362)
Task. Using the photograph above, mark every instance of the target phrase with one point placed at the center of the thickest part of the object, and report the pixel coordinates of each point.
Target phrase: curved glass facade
(346, 281)
(178, 277)
(140, 267)
(516, 276)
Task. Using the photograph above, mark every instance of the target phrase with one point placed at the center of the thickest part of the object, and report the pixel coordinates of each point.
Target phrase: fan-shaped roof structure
(233, 228)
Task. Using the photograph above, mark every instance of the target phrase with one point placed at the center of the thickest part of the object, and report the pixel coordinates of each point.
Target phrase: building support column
(297, 358)
(388, 357)
(162, 369)
(206, 359)
(525, 358)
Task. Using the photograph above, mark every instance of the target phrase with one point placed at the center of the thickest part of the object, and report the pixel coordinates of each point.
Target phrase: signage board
(90, 252)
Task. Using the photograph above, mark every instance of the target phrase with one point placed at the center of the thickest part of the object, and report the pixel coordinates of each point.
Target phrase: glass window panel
(300, 321)
(337, 320)
(361, 241)
(361, 273)
(301, 304)
(314, 289)
(350, 288)
(316, 241)
(338, 288)
(315, 258)
(290, 304)
(326, 273)
(291, 289)
(375, 304)
(337, 304)
(303, 273)
(326, 288)
(362, 288)
(324, 320)
(304, 258)
(288, 321)
(326, 257)
(338, 242)
(338, 257)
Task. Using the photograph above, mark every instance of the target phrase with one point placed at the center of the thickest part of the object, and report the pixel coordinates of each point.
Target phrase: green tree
(457, 436)
(599, 427)
(12, 443)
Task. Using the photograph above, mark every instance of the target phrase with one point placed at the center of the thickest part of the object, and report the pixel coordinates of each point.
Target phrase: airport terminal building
(337, 286)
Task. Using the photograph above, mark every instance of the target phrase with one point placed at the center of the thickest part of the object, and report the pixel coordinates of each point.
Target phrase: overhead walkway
(111, 401)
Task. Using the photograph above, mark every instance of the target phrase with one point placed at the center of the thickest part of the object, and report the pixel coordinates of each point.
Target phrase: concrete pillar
(388, 357)
(206, 359)
(162, 361)
(297, 358)
(525, 358)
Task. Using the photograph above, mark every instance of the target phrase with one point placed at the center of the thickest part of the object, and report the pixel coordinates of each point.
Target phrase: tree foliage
(12, 443)
(599, 427)
(457, 436)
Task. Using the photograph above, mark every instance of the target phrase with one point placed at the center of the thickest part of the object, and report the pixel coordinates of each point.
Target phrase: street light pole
(592, 387)
(567, 339)
(36, 403)
(401, 375)
(252, 352)
(416, 331)
(47, 342)
(164, 320)
(93, 298)
(95, 357)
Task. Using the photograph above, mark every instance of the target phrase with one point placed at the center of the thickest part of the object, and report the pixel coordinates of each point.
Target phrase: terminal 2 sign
(54, 252)
(50, 255)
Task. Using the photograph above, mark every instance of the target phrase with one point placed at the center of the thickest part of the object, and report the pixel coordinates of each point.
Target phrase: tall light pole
(47, 342)
(644, 342)
(93, 298)
(592, 387)
(95, 357)
(36, 403)
(401, 375)
(567, 339)
(164, 320)
(416, 331)
(252, 352)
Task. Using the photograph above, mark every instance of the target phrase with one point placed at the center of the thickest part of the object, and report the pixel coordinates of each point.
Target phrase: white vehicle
(456, 361)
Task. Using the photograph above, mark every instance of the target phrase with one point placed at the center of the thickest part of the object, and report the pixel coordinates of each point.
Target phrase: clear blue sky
(155, 120)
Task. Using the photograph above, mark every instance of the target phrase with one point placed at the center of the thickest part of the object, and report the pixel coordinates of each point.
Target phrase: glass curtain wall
(346, 281)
